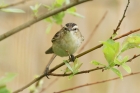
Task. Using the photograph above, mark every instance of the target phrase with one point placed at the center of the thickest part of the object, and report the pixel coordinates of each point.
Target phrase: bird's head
(71, 27)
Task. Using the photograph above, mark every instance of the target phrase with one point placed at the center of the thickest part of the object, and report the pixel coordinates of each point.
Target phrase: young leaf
(7, 78)
(68, 65)
(35, 88)
(132, 41)
(59, 17)
(67, 1)
(119, 60)
(96, 63)
(14, 10)
(110, 50)
(126, 67)
(76, 66)
(76, 14)
(49, 20)
(35, 9)
(73, 12)
(117, 72)
(3, 89)
(60, 1)
(72, 9)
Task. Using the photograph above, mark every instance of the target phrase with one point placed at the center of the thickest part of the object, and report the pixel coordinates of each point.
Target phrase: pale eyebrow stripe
(75, 26)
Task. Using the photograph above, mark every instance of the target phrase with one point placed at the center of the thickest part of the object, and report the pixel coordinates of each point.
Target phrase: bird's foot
(46, 72)
(72, 58)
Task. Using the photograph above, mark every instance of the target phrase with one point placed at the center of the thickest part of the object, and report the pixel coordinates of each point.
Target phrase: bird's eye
(75, 29)
(65, 28)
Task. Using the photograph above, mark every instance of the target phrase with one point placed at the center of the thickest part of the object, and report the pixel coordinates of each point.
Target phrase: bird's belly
(65, 46)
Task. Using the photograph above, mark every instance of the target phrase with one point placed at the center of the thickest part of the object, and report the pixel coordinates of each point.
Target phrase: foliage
(112, 52)
(74, 68)
(13, 10)
(58, 18)
(35, 87)
(4, 80)
(35, 9)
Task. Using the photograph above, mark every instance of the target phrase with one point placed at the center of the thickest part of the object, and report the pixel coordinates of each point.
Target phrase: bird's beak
(69, 29)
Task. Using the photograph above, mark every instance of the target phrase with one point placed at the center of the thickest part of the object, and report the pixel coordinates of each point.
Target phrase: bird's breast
(67, 45)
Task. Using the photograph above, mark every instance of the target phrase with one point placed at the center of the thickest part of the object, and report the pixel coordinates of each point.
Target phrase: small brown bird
(65, 42)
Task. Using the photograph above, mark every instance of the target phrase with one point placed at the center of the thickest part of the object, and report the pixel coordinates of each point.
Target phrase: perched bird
(65, 42)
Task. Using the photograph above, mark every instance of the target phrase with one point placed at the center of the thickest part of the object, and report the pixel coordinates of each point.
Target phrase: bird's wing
(58, 35)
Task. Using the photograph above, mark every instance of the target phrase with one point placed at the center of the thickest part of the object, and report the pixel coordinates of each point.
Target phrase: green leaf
(71, 76)
(7, 78)
(67, 1)
(126, 67)
(125, 59)
(35, 87)
(68, 65)
(35, 8)
(49, 20)
(76, 14)
(132, 41)
(60, 1)
(117, 72)
(110, 50)
(59, 17)
(3, 89)
(76, 66)
(119, 60)
(72, 9)
(97, 63)
(48, 28)
(14, 10)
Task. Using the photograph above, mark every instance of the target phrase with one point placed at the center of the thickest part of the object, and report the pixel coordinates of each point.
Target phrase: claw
(72, 58)
(46, 72)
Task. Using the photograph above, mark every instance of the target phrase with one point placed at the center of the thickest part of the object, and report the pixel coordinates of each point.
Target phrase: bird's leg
(71, 57)
(47, 67)
(46, 72)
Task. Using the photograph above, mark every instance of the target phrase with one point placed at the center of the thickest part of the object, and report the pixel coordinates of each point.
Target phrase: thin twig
(119, 24)
(14, 4)
(100, 45)
(39, 18)
(98, 82)
(61, 64)
(90, 70)
(96, 27)
(44, 89)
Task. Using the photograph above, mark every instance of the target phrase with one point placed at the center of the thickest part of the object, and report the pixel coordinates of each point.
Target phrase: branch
(90, 70)
(41, 17)
(14, 4)
(98, 82)
(119, 24)
(61, 64)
